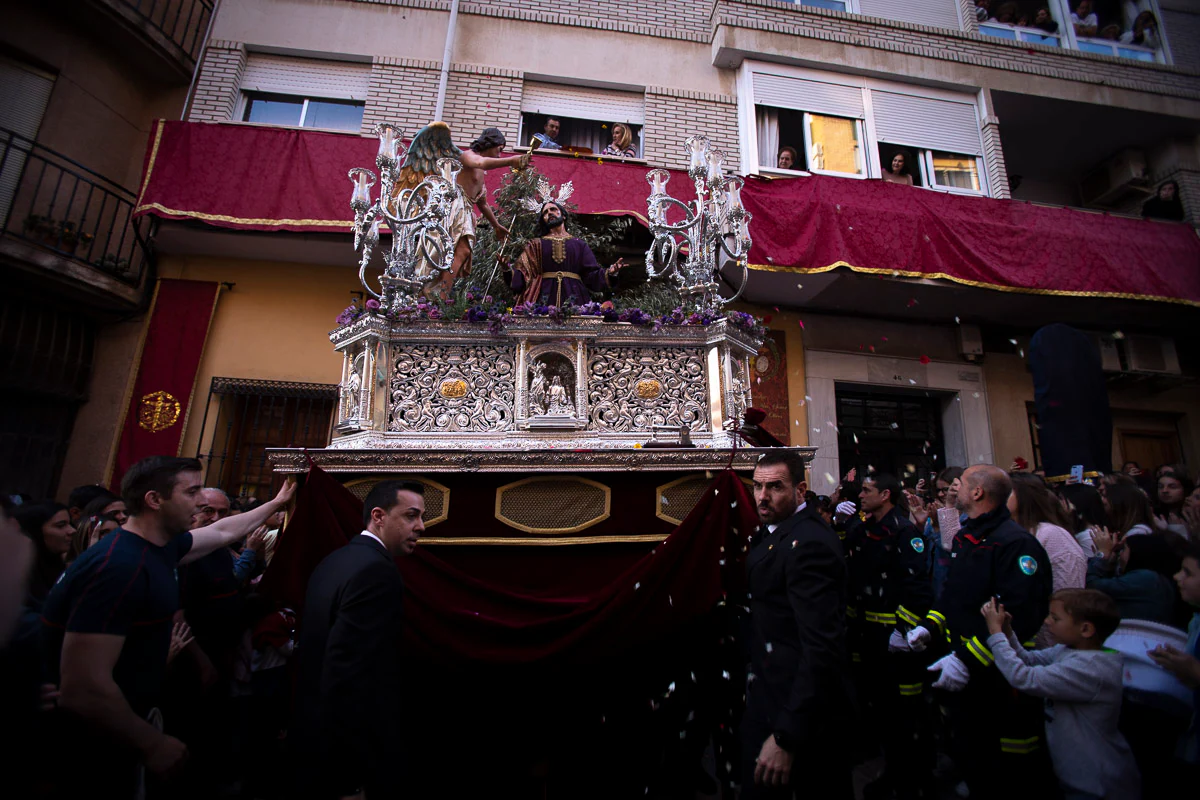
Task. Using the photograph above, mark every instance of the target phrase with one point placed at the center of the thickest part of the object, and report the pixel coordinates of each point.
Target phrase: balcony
(61, 219)
(170, 32)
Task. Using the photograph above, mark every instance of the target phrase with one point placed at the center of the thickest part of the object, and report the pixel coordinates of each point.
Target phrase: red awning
(273, 179)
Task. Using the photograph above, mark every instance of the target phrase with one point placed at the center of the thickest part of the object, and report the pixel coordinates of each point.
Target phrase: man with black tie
(798, 692)
(347, 727)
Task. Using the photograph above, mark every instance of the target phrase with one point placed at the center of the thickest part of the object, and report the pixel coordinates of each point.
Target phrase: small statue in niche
(352, 392)
(537, 389)
(560, 398)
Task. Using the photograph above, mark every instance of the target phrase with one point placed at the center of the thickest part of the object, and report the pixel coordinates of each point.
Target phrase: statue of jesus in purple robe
(559, 268)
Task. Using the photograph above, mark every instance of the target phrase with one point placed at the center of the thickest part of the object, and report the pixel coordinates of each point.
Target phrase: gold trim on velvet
(1063, 478)
(445, 490)
(244, 220)
(967, 282)
(153, 157)
(669, 516)
(556, 541)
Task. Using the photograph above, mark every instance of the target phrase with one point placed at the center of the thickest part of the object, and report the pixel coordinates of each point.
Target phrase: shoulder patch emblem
(1028, 564)
(918, 544)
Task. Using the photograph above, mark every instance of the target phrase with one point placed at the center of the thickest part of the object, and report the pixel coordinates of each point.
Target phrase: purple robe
(535, 281)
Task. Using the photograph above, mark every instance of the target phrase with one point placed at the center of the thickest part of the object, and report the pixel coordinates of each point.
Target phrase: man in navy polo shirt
(107, 627)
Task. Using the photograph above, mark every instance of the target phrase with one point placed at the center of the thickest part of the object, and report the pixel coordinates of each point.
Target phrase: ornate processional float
(541, 410)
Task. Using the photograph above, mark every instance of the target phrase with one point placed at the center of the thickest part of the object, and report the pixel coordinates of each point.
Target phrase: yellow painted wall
(273, 325)
(1009, 387)
(788, 321)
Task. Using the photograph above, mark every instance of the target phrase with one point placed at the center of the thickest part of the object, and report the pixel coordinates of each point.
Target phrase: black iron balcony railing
(51, 201)
(183, 22)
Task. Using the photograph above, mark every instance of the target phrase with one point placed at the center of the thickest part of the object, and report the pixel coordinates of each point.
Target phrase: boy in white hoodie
(1081, 682)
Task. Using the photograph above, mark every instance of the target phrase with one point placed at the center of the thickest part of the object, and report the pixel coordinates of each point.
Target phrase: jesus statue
(558, 268)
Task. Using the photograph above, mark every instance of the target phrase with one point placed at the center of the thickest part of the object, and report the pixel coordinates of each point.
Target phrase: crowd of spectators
(1124, 24)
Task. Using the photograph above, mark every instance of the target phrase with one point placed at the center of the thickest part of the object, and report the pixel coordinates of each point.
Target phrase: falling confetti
(855, 435)
(883, 338)
(913, 382)
(912, 301)
(637, 586)
(975, 395)
(799, 285)
(1021, 352)
(925, 359)
(800, 322)
(666, 502)
(828, 478)
(895, 426)
(725, 674)
(1013, 342)
(767, 319)
(733, 504)
(1118, 335)
(769, 647)
(957, 321)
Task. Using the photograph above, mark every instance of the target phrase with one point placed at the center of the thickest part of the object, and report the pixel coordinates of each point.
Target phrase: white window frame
(247, 96)
(868, 138)
(808, 147)
(928, 174)
(851, 6)
(1062, 9)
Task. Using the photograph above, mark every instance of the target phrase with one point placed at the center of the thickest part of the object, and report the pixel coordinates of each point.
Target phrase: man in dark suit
(798, 692)
(347, 730)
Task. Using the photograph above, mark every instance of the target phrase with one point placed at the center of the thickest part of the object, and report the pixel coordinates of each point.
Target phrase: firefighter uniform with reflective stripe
(996, 731)
(890, 589)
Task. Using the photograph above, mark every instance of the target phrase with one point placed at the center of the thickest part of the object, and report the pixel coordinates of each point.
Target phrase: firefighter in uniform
(996, 732)
(889, 593)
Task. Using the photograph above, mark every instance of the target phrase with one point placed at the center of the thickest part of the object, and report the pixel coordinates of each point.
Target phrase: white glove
(846, 508)
(918, 639)
(897, 643)
(954, 673)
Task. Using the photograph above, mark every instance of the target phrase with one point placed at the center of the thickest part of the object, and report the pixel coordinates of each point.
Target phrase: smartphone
(1077, 472)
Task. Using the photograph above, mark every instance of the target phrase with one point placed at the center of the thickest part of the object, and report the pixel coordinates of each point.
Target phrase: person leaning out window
(899, 171)
(622, 142)
(787, 158)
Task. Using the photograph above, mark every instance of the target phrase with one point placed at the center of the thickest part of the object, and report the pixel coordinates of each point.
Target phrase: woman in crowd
(925, 516)
(1166, 204)
(1007, 14)
(1037, 510)
(622, 142)
(49, 526)
(91, 529)
(107, 506)
(899, 171)
(1138, 573)
(1144, 32)
(1085, 506)
(1129, 509)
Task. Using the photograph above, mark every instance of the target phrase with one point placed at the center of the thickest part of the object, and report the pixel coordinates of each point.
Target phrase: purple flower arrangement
(481, 309)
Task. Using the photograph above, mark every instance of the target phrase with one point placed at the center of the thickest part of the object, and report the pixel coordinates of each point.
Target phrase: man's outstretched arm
(227, 531)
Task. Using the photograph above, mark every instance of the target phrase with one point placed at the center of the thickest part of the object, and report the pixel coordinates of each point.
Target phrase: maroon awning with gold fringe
(284, 179)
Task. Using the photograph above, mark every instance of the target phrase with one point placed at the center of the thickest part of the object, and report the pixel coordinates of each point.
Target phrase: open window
(304, 92)
(821, 121)
(586, 116)
(940, 140)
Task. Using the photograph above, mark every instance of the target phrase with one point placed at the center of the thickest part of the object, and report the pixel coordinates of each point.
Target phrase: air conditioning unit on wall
(1110, 356)
(1151, 354)
(1118, 180)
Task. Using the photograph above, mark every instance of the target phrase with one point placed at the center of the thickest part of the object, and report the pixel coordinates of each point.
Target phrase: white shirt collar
(376, 538)
(771, 527)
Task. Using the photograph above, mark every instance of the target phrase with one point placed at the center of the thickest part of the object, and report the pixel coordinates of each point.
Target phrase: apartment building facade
(903, 371)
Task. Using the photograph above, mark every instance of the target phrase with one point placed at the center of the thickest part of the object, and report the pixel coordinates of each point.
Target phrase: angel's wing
(431, 143)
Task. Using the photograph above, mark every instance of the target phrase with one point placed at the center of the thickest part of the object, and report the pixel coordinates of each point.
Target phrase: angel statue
(557, 267)
(434, 142)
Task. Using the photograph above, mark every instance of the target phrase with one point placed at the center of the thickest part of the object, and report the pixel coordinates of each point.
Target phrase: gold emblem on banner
(648, 389)
(158, 411)
(453, 388)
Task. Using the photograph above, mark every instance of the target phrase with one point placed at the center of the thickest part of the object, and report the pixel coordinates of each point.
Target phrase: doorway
(894, 432)
(1150, 449)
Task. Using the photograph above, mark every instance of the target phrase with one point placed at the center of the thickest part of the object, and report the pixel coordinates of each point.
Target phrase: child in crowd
(1081, 682)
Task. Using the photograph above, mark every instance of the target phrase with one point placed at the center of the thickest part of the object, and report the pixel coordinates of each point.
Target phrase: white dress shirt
(772, 526)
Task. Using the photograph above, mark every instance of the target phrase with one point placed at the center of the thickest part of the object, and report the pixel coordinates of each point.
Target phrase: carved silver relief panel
(635, 388)
(449, 388)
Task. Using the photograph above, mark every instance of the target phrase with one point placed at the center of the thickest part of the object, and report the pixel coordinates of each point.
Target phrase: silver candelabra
(715, 227)
(421, 246)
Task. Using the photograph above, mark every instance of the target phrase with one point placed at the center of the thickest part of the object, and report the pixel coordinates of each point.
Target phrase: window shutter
(306, 77)
(24, 92)
(926, 122)
(805, 95)
(936, 13)
(584, 102)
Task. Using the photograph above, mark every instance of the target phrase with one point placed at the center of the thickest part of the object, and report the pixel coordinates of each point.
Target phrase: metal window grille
(244, 417)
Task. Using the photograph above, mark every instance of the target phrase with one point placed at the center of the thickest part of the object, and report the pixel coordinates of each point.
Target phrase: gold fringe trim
(978, 284)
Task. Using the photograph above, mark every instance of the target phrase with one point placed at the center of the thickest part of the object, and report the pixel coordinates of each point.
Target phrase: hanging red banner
(156, 410)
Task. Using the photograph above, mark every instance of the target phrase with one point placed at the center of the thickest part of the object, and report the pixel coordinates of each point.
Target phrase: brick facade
(673, 115)
(403, 91)
(993, 158)
(216, 93)
(481, 97)
(1183, 36)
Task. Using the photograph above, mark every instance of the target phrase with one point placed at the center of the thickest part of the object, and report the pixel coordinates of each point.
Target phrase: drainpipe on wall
(187, 100)
(444, 77)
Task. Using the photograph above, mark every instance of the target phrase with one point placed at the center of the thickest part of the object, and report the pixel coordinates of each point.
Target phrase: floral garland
(483, 310)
